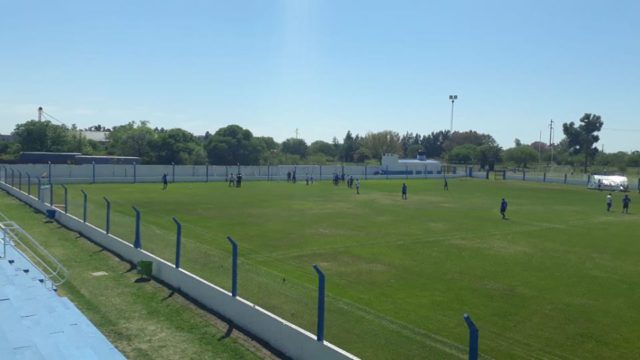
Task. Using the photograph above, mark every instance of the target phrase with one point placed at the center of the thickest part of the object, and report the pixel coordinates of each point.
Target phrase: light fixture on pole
(453, 98)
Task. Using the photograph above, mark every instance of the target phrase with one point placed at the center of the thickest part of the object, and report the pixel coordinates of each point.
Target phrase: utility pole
(296, 133)
(40, 113)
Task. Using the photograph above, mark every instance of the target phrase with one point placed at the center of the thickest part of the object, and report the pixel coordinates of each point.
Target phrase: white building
(392, 164)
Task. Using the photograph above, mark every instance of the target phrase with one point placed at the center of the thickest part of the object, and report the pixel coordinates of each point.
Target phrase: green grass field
(559, 279)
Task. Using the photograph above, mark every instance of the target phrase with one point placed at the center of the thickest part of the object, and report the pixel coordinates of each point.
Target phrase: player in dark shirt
(503, 208)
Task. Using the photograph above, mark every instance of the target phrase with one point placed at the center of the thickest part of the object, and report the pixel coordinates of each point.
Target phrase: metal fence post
(12, 178)
(93, 172)
(178, 241)
(173, 172)
(137, 242)
(135, 172)
(50, 185)
(39, 188)
(544, 177)
(107, 226)
(66, 209)
(234, 267)
(19, 180)
(523, 174)
(84, 205)
(28, 184)
(320, 331)
(473, 338)
(565, 178)
(206, 170)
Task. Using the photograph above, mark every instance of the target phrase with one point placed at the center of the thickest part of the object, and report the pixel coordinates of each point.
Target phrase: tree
(349, 147)
(433, 144)
(468, 137)
(295, 147)
(521, 155)
(583, 137)
(489, 155)
(463, 154)
(35, 135)
(322, 147)
(232, 144)
(180, 147)
(380, 143)
(132, 140)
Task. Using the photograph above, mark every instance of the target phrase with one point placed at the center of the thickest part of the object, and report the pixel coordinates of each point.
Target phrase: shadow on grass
(141, 280)
(131, 268)
(227, 333)
(170, 295)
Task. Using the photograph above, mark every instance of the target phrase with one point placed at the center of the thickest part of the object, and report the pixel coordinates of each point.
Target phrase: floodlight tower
(453, 98)
(40, 113)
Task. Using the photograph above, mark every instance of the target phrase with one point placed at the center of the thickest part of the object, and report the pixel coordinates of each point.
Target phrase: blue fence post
(473, 338)
(234, 267)
(50, 185)
(206, 170)
(565, 178)
(178, 241)
(49, 177)
(28, 184)
(66, 209)
(39, 188)
(20, 180)
(173, 172)
(107, 226)
(320, 331)
(137, 242)
(84, 205)
(135, 172)
(93, 172)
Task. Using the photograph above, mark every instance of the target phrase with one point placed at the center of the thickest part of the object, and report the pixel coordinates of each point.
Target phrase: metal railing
(13, 235)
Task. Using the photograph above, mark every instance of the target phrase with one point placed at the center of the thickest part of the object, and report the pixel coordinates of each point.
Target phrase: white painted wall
(293, 341)
(69, 174)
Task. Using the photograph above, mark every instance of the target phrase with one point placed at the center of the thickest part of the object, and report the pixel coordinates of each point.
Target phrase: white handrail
(38, 256)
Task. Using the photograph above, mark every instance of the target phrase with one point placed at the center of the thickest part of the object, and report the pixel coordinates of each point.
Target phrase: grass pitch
(559, 279)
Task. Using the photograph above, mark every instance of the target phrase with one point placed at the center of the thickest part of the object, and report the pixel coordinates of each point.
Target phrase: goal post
(500, 174)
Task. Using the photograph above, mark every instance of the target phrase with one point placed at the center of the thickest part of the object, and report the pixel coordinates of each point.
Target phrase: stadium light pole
(453, 98)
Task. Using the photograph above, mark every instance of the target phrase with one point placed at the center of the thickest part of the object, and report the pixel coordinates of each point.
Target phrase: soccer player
(446, 184)
(232, 180)
(625, 203)
(503, 208)
(165, 182)
(358, 186)
(609, 202)
(239, 180)
(404, 191)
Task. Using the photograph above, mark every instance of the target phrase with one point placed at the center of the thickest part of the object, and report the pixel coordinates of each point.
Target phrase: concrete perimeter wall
(100, 173)
(291, 340)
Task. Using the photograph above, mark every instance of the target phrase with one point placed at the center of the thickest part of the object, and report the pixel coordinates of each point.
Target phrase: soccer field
(558, 279)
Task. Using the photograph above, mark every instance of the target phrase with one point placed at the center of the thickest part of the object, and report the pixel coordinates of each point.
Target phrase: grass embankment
(143, 320)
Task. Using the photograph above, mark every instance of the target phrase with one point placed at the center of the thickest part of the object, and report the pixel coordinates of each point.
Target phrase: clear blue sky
(325, 67)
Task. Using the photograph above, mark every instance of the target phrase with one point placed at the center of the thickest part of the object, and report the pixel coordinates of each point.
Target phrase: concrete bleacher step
(36, 323)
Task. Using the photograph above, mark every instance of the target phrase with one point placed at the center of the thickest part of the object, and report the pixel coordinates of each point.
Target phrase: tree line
(233, 144)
